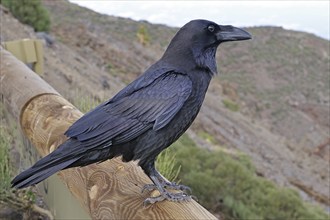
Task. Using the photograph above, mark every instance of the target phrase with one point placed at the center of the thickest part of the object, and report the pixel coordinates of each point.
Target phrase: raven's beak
(230, 33)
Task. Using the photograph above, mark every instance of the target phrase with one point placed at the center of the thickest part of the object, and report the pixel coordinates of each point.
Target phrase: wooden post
(109, 190)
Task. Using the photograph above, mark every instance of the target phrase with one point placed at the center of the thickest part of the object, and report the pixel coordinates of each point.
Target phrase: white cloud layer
(309, 16)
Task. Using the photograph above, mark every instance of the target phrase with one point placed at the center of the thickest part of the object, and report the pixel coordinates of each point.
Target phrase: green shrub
(29, 12)
(227, 184)
(143, 35)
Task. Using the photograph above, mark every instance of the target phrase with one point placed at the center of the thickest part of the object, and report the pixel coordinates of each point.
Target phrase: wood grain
(109, 190)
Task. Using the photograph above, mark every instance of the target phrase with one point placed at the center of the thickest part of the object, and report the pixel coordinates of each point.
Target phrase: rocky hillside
(269, 100)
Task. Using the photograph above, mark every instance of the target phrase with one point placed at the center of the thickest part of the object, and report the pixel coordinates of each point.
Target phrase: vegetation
(22, 200)
(232, 106)
(227, 184)
(29, 12)
(5, 166)
(208, 137)
(143, 35)
(83, 103)
(168, 166)
(5, 170)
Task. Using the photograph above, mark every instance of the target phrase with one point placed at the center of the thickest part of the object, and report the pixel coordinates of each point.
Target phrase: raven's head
(198, 40)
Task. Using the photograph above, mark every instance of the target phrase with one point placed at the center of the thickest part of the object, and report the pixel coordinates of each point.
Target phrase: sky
(309, 16)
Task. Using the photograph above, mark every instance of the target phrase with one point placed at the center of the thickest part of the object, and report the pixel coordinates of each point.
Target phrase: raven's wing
(140, 106)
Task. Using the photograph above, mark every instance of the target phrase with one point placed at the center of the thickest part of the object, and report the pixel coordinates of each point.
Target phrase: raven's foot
(162, 185)
(167, 185)
(163, 188)
(173, 197)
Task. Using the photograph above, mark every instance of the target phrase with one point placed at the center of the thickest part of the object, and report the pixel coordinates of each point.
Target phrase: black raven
(146, 116)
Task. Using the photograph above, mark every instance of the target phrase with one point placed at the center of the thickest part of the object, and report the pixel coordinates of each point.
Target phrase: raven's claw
(152, 200)
(173, 197)
(167, 185)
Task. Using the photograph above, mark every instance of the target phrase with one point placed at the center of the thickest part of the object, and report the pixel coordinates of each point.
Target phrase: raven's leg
(161, 184)
(166, 184)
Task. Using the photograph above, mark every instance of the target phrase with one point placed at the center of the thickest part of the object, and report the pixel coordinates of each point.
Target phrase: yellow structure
(29, 51)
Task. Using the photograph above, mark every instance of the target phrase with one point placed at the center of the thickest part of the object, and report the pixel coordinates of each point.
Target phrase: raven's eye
(211, 28)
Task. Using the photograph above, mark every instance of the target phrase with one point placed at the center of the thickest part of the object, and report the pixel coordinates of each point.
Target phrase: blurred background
(260, 147)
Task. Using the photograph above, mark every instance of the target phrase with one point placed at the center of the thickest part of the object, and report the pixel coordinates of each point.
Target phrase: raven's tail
(47, 166)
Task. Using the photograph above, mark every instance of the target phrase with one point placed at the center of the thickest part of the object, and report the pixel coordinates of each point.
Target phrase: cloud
(298, 15)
